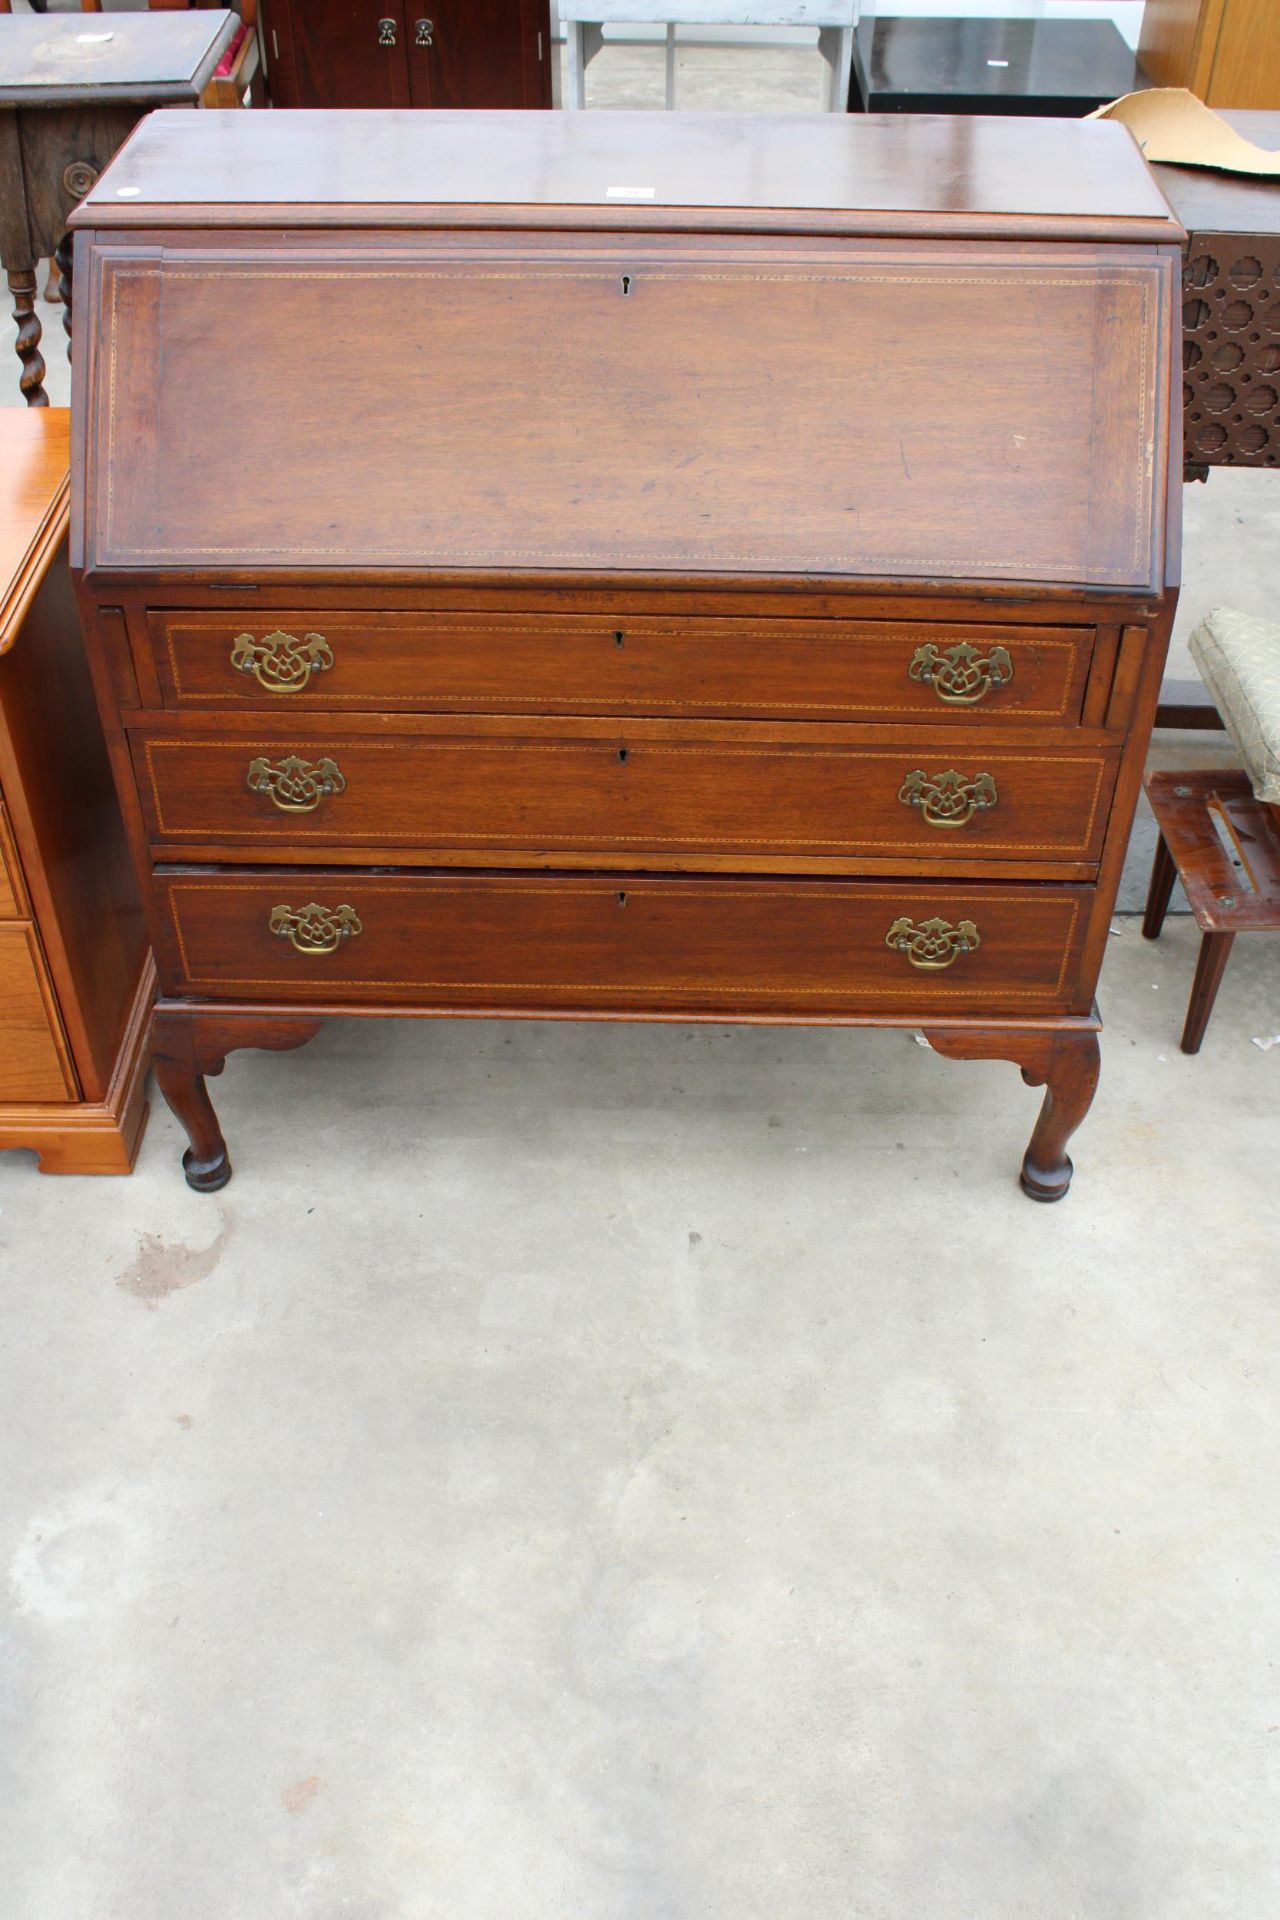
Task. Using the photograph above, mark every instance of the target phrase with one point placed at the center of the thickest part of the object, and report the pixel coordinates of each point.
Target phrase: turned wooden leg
(63, 261)
(189, 1043)
(1215, 949)
(22, 285)
(1065, 1063)
(1163, 875)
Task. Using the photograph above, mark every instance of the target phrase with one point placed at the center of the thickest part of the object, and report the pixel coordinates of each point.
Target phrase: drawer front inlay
(504, 941)
(617, 793)
(626, 664)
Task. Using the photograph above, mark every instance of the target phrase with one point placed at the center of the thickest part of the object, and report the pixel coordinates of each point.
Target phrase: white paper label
(630, 193)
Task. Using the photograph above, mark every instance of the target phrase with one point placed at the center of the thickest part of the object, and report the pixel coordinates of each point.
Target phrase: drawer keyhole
(626, 285)
(619, 637)
(622, 899)
(622, 756)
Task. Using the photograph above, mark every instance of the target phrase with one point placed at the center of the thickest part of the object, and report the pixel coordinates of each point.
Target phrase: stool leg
(1210, 967)
(1163, 875)
(22, 285)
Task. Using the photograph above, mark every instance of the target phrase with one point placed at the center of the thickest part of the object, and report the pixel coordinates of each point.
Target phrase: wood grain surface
(618, 793)
(623, 662)
(511, 942)
(649, 440)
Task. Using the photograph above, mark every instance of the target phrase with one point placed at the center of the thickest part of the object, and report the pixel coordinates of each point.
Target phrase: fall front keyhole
(626, 285)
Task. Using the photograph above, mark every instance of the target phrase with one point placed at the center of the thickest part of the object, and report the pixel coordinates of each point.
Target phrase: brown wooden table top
(34, 455)
(49, 60)
(866, 172)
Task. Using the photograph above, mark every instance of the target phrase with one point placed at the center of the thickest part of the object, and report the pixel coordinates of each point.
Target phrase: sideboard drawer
(616, 794)
(585, 943)
(34, 1063)
(630, 665)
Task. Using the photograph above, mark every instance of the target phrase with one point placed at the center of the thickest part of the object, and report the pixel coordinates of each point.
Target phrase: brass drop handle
(948, 799)
(313, 928)
(281, 662)
(934, 944)
(295, 785)
(423, 30)
(962, 675)
(386, 33)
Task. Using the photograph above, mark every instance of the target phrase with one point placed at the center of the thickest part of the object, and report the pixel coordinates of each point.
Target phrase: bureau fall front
(628, 566)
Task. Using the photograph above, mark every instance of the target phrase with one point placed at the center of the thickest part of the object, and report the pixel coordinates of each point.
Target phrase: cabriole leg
(190, 1043)
(1064, 1063)
(1069, 1076)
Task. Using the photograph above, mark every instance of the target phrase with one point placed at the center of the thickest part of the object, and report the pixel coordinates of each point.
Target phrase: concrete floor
(661, 1473)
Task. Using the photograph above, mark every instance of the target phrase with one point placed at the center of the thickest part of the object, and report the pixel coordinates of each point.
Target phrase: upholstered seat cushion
(1239, 661)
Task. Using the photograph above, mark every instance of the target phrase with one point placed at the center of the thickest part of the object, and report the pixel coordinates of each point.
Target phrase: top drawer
(596, 664)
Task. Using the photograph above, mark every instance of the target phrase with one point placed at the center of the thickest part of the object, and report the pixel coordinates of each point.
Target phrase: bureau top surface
(866, 172)
(47, 60)
(637, 395)
(34, 448)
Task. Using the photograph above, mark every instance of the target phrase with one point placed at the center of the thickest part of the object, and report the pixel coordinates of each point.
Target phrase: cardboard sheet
(1170, 123)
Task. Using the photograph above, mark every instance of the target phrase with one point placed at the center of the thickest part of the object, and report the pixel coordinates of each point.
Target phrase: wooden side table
(1189, 807)
(76, 975)
(584, 22)
(71, 91)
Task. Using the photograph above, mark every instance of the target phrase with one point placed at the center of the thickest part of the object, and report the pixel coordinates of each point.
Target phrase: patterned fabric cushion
(1239, 661)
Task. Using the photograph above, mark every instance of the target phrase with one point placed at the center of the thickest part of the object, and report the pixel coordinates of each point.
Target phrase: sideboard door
(338, 53)
(479, 53)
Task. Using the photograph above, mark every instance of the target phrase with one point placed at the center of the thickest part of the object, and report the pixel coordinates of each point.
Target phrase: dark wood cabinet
(409, 53)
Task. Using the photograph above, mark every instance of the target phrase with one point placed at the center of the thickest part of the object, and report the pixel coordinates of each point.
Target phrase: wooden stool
(1190, 809)
(68, 99)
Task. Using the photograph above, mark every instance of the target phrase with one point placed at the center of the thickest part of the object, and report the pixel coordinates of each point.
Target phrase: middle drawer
(268, 794)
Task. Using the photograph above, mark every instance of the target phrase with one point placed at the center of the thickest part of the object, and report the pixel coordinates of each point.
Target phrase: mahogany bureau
(630, 566)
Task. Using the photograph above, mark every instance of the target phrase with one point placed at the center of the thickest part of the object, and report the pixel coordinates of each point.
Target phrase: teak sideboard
(636, 567)
(76, 978)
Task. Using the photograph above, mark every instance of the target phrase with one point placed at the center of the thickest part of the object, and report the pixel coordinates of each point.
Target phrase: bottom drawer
(583, 943)
(33, 1062)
